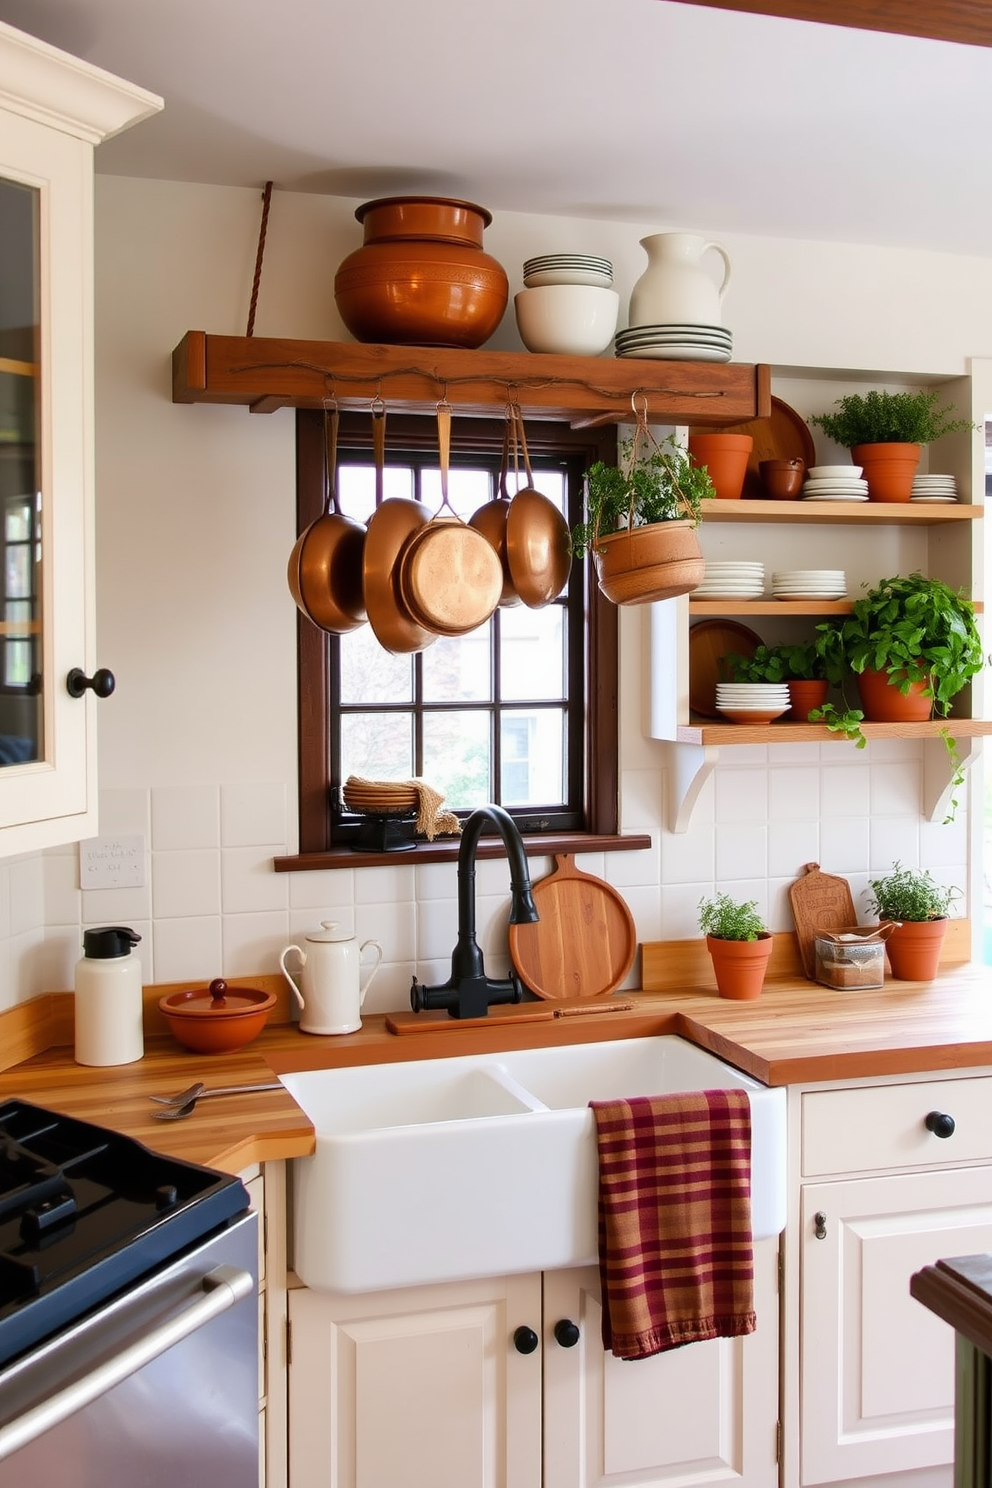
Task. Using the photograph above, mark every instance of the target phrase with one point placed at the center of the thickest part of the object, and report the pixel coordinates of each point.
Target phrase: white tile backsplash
(253, 814)
(186, 883)
(249, 882)
(188, 949)
(185, 817)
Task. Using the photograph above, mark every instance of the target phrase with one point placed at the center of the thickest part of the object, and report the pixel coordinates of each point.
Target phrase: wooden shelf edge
(445, 850)
(803, 733)
(874, 513)
(268, 373)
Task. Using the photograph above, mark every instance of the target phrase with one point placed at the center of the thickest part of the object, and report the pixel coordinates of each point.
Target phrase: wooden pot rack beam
(267, 373)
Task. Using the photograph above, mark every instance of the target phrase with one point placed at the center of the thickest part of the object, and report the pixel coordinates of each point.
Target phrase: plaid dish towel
(675, 1250)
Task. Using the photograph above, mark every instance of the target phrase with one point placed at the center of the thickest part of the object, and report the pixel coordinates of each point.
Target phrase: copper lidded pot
(421, 276)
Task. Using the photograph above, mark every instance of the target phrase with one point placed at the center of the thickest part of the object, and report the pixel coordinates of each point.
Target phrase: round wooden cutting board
(584, 943)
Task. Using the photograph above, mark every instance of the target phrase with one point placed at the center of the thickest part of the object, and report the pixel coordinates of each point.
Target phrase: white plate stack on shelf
(939, 489)
(810, 583)
(835, 483)
(676, 343)
(568, 268)
(731, 581)
(752, 702)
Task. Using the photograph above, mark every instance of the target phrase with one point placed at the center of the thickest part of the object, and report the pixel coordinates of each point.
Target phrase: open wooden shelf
(854, 513)
(266, 373)
(712, 731)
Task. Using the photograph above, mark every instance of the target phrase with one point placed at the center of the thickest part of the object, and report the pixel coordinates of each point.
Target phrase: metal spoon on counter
(190, 1098)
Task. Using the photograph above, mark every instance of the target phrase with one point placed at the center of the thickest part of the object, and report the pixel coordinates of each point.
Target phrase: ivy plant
(654, 481)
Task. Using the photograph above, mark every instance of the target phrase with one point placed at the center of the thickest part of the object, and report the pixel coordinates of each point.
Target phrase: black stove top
(84, 1212)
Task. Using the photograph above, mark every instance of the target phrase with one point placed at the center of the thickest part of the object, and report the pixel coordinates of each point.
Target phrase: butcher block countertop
(796, 1032)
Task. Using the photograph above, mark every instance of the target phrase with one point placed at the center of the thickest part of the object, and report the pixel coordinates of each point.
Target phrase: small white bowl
(567, 319)
(833, 472)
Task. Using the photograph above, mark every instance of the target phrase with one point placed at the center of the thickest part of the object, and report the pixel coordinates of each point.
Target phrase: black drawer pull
(940, 1124)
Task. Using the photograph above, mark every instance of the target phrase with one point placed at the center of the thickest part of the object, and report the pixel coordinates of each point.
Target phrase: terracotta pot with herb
(738, 943)
(917, 906)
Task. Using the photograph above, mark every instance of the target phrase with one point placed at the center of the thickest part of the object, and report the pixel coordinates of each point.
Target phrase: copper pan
(390, 525)
(450, 578)
(538, 550)
(325, 566)
(490, 520)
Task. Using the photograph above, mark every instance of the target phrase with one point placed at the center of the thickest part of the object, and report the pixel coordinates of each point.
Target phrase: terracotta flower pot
(914, 949)
(639, 565)
(421, 277)
(805, 694)
(725, 457)
(740, 965)
(888, 469)
(884, 703)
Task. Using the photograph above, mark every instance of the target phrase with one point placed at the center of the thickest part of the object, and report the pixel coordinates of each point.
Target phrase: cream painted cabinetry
(869, 541)
(53, 110)
(868, 1372)
(425, 1387)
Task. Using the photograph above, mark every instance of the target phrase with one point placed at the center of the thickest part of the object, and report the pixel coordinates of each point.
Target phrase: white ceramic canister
(330, 990)
(108, 1003)
(676, 288)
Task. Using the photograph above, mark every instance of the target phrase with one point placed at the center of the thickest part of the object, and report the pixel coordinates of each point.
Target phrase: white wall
(195, 521)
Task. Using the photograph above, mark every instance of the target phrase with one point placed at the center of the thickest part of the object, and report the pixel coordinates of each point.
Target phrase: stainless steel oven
(128, 1314)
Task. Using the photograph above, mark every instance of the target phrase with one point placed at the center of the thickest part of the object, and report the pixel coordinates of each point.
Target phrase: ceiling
(645, 111)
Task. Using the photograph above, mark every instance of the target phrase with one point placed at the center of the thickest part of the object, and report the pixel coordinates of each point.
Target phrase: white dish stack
(568, 306)
(810, 583)
(676, 343)
(756, 701)
(835, 483)
(568, 268)
(731, 581)
(938, 489)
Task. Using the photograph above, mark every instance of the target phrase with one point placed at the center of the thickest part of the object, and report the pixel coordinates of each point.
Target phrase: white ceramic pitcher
(331, 990)
(675, 288)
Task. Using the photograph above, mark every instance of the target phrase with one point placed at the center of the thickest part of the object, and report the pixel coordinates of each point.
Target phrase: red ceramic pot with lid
(218, 1018)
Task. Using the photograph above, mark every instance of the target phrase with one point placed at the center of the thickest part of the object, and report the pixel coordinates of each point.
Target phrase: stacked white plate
(810, 583)
(676, 343)
(731, 581)
(752, 702)
(935, 488)
(568, 268)
(835, 483)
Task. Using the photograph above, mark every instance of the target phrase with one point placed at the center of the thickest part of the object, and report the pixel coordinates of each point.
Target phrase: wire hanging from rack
(263, 228)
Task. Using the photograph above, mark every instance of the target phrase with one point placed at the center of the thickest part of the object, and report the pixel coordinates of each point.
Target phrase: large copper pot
(421, 277)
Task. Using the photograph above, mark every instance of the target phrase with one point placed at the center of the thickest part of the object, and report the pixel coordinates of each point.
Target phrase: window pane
(532, 645)
(533, 753)
(457, 758)
(356, 487)
(467, 490)
(458, 669)
(371, 675)
(17, 663)
(378, 746)
(18, 566)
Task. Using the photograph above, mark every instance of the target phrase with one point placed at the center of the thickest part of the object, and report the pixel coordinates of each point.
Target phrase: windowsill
(445, 850)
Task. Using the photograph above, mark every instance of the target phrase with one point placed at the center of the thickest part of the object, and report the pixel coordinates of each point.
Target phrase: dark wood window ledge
(445, 850)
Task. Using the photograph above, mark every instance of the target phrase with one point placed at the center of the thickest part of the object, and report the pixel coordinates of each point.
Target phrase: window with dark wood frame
(590, 820)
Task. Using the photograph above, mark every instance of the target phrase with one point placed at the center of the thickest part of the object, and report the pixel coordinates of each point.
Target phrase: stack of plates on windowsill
(568, 268)
(935, 488)
(810, 583)
(379, 797)
(835, 483)
(731, 581)
(676, 343)
(752, 702)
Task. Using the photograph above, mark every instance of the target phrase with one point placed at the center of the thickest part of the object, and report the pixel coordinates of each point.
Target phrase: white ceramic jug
(330, 989)
(675, 288)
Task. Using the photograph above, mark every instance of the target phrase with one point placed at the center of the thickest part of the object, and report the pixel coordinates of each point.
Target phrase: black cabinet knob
(102, 682)
(567, 1333)
(940, 1124)
(525, 1340)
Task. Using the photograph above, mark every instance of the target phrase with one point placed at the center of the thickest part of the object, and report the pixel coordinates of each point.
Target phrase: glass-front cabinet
(54, 110)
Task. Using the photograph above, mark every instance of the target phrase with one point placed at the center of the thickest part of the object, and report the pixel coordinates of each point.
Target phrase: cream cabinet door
(877, 1368)
(416, 1388)
(706, 1413)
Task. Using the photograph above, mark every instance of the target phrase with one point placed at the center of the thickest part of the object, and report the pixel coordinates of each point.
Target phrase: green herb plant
(910, 894)
(880, 417)
(801, 661)
(730, 919)
(653, 482)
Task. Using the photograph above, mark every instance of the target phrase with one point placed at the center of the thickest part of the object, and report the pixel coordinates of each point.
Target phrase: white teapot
(331, 990)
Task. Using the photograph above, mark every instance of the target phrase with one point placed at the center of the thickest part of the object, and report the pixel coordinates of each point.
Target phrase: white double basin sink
(453, 1168)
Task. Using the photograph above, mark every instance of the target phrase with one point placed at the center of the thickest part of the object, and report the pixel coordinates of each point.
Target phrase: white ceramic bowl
(567, 319)
(833, 472)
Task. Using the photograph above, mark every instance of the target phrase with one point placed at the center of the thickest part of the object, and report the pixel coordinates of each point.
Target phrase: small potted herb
(802, 666)
(885, 431)
(918, 907)
(738, 943)
(641, 516)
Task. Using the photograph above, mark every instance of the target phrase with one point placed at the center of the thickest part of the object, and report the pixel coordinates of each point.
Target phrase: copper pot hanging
(490, 520)
(390, 525)
(538, 548)
(450, 579)
(325, 566)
